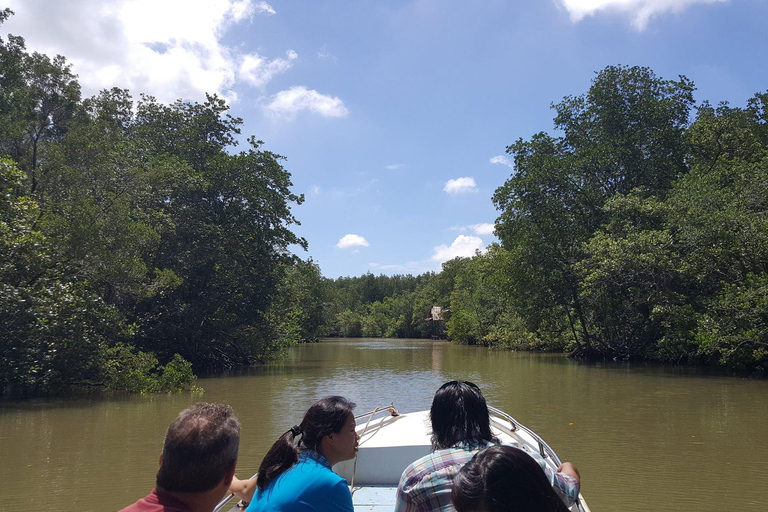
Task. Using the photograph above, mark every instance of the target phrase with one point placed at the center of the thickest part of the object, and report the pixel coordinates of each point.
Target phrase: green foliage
(631, 236)
(630, 274)
(300, 309)
(734, 330)
(229, 243)
(641, 229)
(138, 224)
(624, 135)
(134, 234)
(52, 326)
(509, 332)
(177, 374)
(126, 369)
(381, 305)
(663, 273)
(464, 326)
(38, 98)
(349, 324)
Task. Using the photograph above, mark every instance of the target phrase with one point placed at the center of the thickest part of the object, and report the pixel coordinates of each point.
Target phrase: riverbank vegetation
(139, 245)
(638, 232)
(136, 243)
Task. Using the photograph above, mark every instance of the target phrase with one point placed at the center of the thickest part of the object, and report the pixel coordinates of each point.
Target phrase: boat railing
(544, 449)
(223, 503)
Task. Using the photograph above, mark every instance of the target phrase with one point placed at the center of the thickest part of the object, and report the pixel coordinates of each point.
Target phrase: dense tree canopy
(135, 239)
(137, 244)
(634, 234)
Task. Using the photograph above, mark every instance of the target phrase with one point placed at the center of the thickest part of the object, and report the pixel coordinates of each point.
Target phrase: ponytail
(324, 417)
(283, 454)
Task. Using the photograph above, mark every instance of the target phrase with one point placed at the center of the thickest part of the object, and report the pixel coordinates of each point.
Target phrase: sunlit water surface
(645, 438)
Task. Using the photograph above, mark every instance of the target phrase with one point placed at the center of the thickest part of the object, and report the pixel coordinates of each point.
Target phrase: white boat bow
(389, 443)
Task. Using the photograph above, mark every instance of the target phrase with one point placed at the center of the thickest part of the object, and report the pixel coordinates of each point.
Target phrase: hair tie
(296, 431)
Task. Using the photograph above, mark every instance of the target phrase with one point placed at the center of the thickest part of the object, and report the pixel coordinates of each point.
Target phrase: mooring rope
(392, 411)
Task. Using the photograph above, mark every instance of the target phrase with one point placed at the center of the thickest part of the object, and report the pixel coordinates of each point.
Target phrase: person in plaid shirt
(503, 478)
(460, 428)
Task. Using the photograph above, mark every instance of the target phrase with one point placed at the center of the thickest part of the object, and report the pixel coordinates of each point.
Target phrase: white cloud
(503, 160)
(171, 48)
(483, 229)
(460, 185)
(350, 240)
(264, 8)
(257, 71)
(410, 267)
(478, 229)
(336, 193)
(464, 246)
(288, 103)
(394, 167)
(641, 11)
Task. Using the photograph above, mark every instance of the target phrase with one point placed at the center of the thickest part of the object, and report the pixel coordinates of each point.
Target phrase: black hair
(200, 448)
(326, 416)
(504, 479)
(459, 414)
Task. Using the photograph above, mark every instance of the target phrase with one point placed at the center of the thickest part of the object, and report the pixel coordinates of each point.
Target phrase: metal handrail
(223, 503)
(227, 499)
(544, 449)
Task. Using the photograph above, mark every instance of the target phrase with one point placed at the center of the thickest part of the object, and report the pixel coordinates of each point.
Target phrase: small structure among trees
(436, 323)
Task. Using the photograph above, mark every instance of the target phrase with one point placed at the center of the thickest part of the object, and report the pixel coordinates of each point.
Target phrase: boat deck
(374, 499)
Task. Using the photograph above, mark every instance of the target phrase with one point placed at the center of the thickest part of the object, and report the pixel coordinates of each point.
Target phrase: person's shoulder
(320, 472)
(419, 464)
(322, 484)
(156, 502)
(423, 467)
(134, 507)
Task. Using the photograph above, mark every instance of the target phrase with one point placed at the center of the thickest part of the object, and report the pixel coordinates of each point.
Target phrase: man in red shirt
(197, 463)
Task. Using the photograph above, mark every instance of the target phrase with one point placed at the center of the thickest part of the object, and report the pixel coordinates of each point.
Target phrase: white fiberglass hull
(390, 443)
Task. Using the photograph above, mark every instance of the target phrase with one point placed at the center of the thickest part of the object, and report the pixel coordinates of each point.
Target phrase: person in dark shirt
(197, 463)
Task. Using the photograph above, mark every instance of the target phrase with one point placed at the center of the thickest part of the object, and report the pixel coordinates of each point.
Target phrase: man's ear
(230, 475)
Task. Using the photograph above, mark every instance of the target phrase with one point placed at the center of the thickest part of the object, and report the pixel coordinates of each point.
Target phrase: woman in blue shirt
(296, 475)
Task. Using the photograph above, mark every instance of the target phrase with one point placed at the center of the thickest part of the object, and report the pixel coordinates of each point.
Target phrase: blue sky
(393, 115)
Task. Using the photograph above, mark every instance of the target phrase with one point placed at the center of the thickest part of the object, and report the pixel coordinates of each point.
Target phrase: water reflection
(644, 437)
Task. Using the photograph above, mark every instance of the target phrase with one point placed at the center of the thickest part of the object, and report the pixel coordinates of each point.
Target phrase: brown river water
(645, 438)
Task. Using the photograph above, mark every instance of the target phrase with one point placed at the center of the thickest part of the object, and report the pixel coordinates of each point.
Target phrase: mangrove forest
(142, 243)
